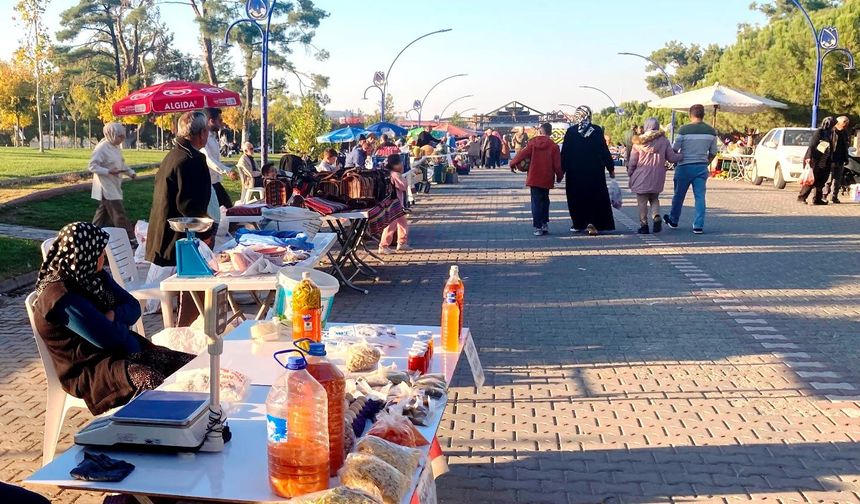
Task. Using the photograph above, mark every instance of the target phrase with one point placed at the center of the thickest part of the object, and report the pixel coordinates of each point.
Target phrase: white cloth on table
(106, 157)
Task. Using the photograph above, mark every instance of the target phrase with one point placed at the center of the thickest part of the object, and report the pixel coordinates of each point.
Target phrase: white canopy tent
(718, 97)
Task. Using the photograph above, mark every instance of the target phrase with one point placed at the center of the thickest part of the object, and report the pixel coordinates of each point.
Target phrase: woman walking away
(107, 167)
(505, 155)
(399, 225)
(584, 156)
(84, 315)
(819, 155)
(647, 169)
(544, 169)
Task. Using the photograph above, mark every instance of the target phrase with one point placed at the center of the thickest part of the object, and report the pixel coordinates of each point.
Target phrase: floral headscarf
(582, 119)
(73, 260)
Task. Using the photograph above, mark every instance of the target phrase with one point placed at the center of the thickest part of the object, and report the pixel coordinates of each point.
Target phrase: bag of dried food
(369, 473)
(404, 459)
(343, 495)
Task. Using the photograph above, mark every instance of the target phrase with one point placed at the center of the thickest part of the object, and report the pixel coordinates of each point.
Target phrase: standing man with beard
(212, 151)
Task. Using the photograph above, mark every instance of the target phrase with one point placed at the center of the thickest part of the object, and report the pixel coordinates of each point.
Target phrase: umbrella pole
(715, 116)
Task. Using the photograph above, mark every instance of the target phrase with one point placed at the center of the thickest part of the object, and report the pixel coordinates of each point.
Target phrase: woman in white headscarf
(107, 167)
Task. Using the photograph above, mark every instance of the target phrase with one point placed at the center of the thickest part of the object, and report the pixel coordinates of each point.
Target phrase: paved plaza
(620, 369)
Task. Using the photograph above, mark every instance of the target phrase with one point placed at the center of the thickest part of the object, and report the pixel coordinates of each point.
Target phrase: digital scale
(173, 421)
(190, 262)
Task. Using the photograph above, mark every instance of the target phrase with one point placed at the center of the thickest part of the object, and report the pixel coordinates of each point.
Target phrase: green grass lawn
(75, 206)
(26, 162)
(18, 257)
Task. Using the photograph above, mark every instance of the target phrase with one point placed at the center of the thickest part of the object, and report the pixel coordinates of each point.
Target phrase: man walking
(212, 151)
(840, 156)
(698, 143)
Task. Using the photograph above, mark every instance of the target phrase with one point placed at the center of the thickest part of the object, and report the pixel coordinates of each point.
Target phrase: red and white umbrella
(175, 96)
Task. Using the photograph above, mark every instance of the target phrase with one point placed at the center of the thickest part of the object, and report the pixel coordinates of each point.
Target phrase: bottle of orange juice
(450, 324)
(297, 427)
(455, 285)
(307, 310)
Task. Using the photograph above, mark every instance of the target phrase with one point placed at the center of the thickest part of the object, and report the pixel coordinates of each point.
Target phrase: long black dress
(583, 161)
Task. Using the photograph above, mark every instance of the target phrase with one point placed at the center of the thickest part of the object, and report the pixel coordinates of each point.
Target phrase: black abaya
(583, 161)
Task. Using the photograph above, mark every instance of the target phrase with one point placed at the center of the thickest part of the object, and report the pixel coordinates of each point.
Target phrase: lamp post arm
(846, 52)
(246, 20)
(818, 60)
(442, 114)
(368, 88)
(431, 90)
(614, 106)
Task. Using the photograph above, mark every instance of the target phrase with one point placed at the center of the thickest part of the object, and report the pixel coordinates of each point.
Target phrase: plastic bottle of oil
(307, 310)
(331, 378)
(455, 285)
(450, 324)
(297, 425)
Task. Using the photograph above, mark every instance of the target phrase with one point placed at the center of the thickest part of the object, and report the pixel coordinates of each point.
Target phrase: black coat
(182, 189)
(584, 160)
(426, 138)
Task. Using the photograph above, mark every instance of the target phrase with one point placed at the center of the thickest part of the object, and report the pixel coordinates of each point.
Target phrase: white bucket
(290, 276)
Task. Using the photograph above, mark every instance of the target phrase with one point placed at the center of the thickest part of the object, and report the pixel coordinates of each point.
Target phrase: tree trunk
(210, 61)
(89, 132)
(17, 129)
(75, 136)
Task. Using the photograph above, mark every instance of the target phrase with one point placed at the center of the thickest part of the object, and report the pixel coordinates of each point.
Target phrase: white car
(779, 155)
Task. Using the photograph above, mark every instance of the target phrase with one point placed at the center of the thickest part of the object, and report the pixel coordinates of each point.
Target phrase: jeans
(685, 176)
(540, 206)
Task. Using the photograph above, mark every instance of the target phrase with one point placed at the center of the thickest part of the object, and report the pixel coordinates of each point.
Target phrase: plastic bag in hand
(807, 177)
(614, 193)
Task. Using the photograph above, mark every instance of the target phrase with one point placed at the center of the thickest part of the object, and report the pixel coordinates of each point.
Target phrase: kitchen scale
(173, 421)
(190, 262)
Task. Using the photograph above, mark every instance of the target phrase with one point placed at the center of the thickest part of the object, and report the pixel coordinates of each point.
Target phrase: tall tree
(120, 39)
(211, 18)
(784, 8)
(291, 24)
(35, 47)
(17, 88)
(82, 102)
(690, 63)
(306, 121)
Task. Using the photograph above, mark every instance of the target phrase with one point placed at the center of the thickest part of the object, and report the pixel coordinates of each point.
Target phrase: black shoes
(643, 229)
(658, 224)
(819, 202)
(668, 221)
(836, 201)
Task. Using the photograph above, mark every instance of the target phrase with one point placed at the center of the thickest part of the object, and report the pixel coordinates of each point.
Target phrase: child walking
(399, 225)
(647, 169)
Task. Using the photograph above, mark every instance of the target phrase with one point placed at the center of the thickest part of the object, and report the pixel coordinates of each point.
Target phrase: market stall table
(240, 472)
(351, 237)
(268, 283)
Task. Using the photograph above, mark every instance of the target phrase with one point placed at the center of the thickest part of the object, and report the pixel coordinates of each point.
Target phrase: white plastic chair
(59, 402)
(46, 246)
(250, 195)
(125, 273)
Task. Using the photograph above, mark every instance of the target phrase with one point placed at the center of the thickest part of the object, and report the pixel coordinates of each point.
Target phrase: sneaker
(801, 201)
(385, 251)
(404, 248)
(592, 231)
(698, 231)
(538, 232)
(836, 201)
(643, 229)
(658, 224)
(819, 202)
(545, 229)
(574, 230)
(668, 221)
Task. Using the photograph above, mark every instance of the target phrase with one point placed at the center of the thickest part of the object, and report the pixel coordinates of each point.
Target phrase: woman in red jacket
(543, 170)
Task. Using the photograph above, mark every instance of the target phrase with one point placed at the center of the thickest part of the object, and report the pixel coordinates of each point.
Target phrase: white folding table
(240, 472)
(268, 283)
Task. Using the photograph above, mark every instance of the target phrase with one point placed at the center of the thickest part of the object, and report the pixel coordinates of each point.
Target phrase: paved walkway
(671, 368)
(27, 233)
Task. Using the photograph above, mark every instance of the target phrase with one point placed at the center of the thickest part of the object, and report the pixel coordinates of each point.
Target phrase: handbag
(275, 192)
(386, 212)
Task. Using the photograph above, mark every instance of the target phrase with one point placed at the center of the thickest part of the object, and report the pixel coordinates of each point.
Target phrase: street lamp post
(257, 11)
(380, 78)
(442, 114)
(828, 39)
(382, 102)
(672, 87)
(424, 101)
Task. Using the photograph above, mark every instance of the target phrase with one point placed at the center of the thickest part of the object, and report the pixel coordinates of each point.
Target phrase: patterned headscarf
(582, 119)
(73, 260)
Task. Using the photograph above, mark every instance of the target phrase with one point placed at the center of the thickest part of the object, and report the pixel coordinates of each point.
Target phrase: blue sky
(534, 51)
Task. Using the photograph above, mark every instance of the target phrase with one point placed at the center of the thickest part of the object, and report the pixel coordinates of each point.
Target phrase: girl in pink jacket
(647, 170)
(399, 225)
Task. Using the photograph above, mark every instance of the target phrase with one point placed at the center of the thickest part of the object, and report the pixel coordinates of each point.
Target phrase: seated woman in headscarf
(84, 317)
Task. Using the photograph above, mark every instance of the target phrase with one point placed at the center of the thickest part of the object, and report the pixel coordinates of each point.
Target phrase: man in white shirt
(212, 151)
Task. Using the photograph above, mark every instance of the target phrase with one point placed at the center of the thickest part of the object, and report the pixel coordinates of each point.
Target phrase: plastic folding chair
(59, 402)
(125, 273)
